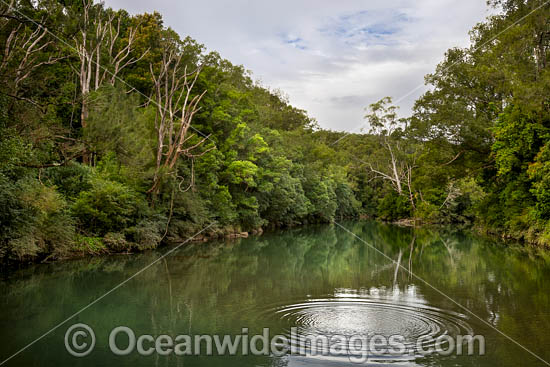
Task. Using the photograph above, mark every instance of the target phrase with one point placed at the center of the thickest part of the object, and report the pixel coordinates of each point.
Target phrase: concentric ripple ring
(418, 324)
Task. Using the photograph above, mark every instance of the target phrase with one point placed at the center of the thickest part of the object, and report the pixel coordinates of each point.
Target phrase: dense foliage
(476, 147)
(117, 134)
(81, 131)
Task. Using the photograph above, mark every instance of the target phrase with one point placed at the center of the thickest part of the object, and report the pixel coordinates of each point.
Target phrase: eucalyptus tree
(104, 48)
(176, 106)
(396, 161)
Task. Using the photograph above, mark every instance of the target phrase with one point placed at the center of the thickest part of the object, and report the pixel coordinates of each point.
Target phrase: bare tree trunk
(24, 49)
(409, 185)
(398, 171)
(99, 41)
(395, 173)
(396, 176)
(175, 111)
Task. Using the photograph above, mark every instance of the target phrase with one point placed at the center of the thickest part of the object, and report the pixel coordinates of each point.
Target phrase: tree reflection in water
(318, 278)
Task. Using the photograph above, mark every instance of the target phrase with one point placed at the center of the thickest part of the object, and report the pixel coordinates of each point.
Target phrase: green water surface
(316, 280)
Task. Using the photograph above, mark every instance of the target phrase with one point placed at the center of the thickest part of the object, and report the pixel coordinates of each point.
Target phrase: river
(424, 287)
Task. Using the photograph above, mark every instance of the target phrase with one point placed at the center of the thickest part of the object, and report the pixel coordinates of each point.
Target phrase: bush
(189, 206)
(89, 245)
(146, 234)
(427, 212)
(108, 207)
(539, 173)
(320, 193)
(116, 242)
(11, 212)
(466, 205)
(69, 180)
(286, 203)
(394, 207)
(37, 223)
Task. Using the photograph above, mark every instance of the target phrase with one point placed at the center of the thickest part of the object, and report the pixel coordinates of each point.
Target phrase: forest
(118, 135)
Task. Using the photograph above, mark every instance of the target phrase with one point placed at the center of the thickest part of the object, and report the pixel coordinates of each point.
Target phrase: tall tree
(103, 50)
(398, 158)
(176, 107)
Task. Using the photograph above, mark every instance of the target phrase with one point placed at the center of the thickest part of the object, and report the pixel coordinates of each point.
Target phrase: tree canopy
(117, 134)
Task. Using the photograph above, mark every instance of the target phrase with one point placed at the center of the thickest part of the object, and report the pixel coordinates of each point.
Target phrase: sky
(332, 58)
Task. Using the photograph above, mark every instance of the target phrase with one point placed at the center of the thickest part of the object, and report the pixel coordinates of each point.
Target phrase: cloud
(332, 58)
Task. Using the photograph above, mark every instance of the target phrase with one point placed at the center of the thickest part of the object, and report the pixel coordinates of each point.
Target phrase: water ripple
(419, 324)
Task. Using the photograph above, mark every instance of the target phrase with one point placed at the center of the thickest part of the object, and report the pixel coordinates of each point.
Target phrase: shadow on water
(317, 279)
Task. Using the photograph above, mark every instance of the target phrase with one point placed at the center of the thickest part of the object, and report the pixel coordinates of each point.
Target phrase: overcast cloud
(331, 57)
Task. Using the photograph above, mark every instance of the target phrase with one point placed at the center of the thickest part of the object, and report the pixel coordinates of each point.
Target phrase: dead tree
(24, 50)
(33, 48)
(176, 108)
(119, 56)
(101, 53)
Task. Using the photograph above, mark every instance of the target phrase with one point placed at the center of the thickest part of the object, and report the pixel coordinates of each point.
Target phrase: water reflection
(377, 312)
(318, 279)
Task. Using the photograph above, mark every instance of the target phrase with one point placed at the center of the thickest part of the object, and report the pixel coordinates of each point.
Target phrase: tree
(176, 107)
(102, 49)
(27, 47)
(398, 159)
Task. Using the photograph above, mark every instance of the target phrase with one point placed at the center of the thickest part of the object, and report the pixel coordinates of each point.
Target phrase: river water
(343, 285)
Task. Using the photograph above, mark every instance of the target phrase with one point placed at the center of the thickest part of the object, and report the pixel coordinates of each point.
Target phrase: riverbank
(533, 236)
(110, 245)
(116, 244)
(113, 244)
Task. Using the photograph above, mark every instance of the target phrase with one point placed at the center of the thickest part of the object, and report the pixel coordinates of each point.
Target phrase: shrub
(286, 203)
(469, 200)
(69, 180)
(539, 173)
(393, 207)
(116, 242)
(146, 234)
(11, 212)
(427, 212)
(190, 206)
(108, 207)
(320, 193)
(39, 222)
(89, 245)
